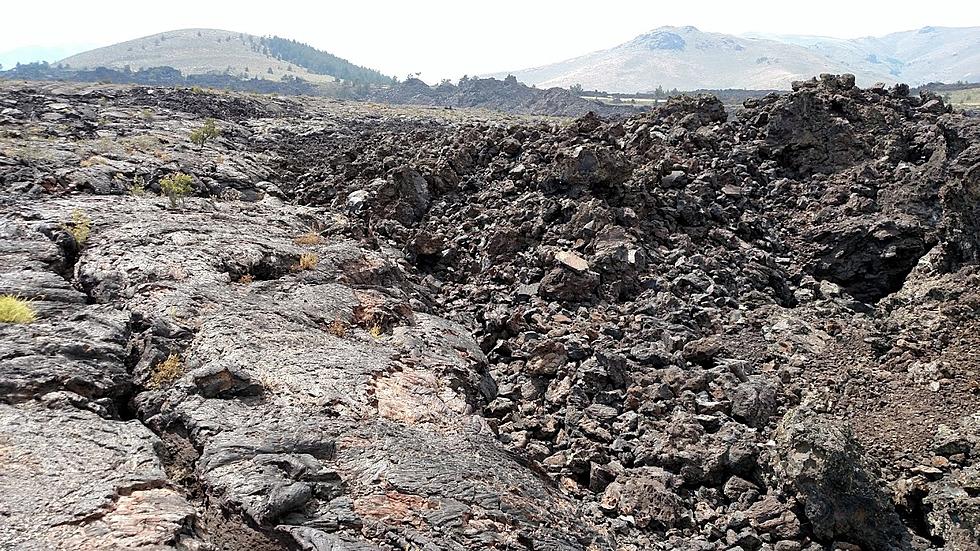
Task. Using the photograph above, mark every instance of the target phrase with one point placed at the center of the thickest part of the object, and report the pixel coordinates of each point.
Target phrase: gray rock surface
(70, 479)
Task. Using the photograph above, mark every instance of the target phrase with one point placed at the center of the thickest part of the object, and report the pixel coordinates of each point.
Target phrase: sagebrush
(208, 131)
(176, 187)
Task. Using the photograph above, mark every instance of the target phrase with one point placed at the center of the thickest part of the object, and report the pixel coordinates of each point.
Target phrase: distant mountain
(687, 59)
(212, 51)
(929, 54)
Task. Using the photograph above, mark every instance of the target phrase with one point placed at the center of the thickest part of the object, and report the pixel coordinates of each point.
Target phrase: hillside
(686, 58)
(212, 51)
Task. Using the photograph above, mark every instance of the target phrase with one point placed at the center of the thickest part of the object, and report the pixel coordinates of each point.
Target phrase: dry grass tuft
(16, 310)
(338, 328)
(246, 279)
(80, 226)
(309, 238)
(166, 372)
(376, 331)
(307, 261)
(91, 161)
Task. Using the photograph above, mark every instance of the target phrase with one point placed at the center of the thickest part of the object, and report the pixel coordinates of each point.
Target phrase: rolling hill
(212, 51)
(687, 58)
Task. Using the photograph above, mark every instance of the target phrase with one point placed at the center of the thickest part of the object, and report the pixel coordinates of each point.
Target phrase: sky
(447, 39)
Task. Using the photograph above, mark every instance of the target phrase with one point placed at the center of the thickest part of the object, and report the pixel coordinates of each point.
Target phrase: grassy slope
(969, 97)
(195, 51)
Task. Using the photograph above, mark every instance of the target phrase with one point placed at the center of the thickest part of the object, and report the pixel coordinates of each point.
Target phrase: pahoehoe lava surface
(376, 327)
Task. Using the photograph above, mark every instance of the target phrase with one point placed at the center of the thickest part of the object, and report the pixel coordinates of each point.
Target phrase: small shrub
(207, 132)
(337, 328)
(246, 279)
(166, 372)
(376, 331)
(309, 238)
(138, 187)
(176, 187)
(16, 310)
(80, 226)
(307, 261)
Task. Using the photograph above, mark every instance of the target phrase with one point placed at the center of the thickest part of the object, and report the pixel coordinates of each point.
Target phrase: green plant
(208, 131)
(14, 309)
(176, 187)
(80, 226)
(138, 188)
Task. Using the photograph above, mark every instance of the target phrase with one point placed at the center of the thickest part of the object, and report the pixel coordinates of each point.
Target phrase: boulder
(953, 505)
(843, 499)
(404, 196)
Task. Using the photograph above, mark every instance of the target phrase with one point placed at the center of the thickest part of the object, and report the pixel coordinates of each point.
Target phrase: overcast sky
(447, 39)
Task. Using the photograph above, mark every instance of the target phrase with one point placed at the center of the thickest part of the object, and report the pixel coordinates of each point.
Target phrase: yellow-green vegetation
(969, 97)
(176, 187)
(376, 331)
(307, 261)
(207, 132)
(166, 372)
(80, 226)
(14, 309)
(138, 187)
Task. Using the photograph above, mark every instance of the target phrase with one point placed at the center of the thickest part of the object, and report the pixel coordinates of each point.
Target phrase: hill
(212, 51)
(687, 58)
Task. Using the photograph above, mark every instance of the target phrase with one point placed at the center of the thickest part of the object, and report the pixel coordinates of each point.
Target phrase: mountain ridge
(688, 58)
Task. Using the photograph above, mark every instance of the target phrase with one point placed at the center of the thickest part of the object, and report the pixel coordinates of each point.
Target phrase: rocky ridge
(506, 95)
(681, 330)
